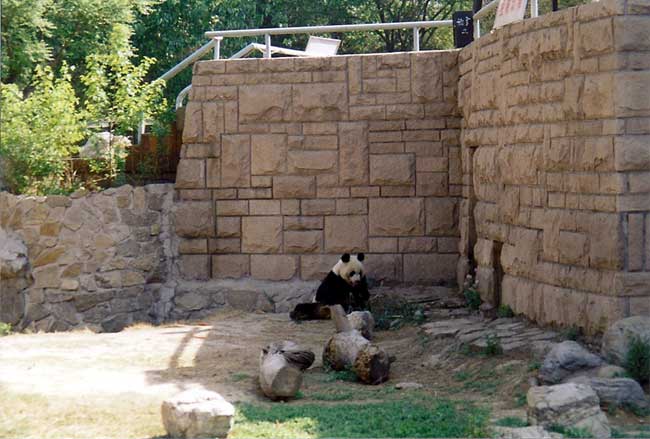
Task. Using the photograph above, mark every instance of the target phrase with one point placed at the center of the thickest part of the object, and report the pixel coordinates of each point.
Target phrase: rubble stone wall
(556, 164)
(287, 163)
(99, 259)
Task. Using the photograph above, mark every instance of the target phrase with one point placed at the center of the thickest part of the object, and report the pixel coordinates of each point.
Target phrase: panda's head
(350, 268)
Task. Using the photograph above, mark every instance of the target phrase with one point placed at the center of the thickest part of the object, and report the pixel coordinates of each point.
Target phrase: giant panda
(344, 285)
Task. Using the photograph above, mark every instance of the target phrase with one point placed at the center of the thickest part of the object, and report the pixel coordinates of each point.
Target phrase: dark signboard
(463, 28)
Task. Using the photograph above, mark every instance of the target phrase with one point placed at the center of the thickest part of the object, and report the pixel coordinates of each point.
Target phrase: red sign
(510, 11)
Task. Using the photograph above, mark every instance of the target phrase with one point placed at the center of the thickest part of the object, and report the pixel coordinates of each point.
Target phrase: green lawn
(411, 417)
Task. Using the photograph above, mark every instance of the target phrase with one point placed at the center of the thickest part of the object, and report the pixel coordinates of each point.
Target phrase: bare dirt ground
(82, 384)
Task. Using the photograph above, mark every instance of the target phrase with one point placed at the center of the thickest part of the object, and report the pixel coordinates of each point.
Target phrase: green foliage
(393, 313)
(520, 399)
(534, 365)
(504, 311)
(512, 422)
(473, 298)
(39, 133)
(5, 329)
(637, 360)
(341, 375)
(570, 431)
(240, 376)
(572, 333)
(641, 412)
(119, 97)
(24, 29)
(492, 346)
(406, 418)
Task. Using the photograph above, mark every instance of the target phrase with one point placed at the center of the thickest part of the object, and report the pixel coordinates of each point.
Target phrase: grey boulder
(569, 405)
(565, 359)
(616, 340)
(616, 391)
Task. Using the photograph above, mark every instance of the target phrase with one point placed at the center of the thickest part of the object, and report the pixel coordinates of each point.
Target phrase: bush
(38, 134)
(473, 299)
(505, 311)
(493, 346)
(392, 312)
(5, 329)
(637, 360)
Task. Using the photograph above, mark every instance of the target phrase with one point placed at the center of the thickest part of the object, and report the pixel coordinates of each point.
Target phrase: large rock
(617, 338)
(105, 145)
(565, 359)
(15, 276)
(568, 405)
(616, 391)
(197, 413)
(535, 432)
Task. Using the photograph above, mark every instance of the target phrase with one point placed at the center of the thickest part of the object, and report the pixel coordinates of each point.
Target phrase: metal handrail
(217, 36)
(327, 29)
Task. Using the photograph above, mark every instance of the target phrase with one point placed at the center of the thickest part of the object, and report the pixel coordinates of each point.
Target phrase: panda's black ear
(360, 257)
(346, 257)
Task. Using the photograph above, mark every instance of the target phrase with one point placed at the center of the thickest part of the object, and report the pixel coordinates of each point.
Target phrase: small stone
(197, 413)
(408, 386)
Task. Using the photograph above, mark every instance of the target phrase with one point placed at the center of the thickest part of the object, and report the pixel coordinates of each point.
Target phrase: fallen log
(348, 349)
(281, 366)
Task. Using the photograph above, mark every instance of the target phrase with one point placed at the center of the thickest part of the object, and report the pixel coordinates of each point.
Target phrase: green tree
(23, 47)
(118, 95)
(39, 133)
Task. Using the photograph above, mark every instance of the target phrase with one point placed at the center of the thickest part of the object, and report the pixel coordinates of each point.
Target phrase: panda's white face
(350, 268)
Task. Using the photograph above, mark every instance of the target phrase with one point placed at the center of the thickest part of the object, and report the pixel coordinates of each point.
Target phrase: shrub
(512, 422)
(505, 311)
(637, 360)
(473, 298)
(493, 346)
(572, 333)
(38, 134)
(393, 312)
(574, 432)
(5, 329)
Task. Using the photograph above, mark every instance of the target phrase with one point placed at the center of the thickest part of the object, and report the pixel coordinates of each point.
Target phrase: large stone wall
(287, 163)
(98, 260)
(556, 164)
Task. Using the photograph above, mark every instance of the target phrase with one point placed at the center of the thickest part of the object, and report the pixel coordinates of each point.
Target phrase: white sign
(509, 11)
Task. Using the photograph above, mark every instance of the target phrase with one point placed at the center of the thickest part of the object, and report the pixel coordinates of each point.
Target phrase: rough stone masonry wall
(556, 164)
(98, 260)
(287, 163)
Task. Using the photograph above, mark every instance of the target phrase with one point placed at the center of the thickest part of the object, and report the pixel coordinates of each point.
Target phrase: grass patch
(520, 399)
(337, 395)
(341, 375)
(512, 422)
(393, 312)
(571, 333)
(412, 417)
(38, 416)
(484, 381)
(570, 431)
(239, 376)
(5, 329)
(492, 346)
(534, 366)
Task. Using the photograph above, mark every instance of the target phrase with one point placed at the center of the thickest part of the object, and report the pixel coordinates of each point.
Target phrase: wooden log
(281, 366)
(348, 349)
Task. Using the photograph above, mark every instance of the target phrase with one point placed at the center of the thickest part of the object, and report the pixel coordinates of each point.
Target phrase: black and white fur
(344, 285)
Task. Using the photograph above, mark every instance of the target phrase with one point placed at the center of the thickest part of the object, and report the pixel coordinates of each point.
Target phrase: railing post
(554, 5)
(416, 39)
(476, 6)
(267, 42)
(217, 47)
(534, 9)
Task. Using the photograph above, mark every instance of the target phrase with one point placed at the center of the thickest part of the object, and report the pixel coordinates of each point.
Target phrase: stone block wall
(556, 164)
(287, 163)
(98, 260)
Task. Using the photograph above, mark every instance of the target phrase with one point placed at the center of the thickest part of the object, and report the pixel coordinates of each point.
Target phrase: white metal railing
(485, 10)
(217, 36)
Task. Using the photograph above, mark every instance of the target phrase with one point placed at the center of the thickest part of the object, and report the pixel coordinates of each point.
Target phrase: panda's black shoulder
(332, 289)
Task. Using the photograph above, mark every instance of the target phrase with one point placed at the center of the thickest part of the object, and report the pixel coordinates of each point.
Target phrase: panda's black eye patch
(352, 273)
